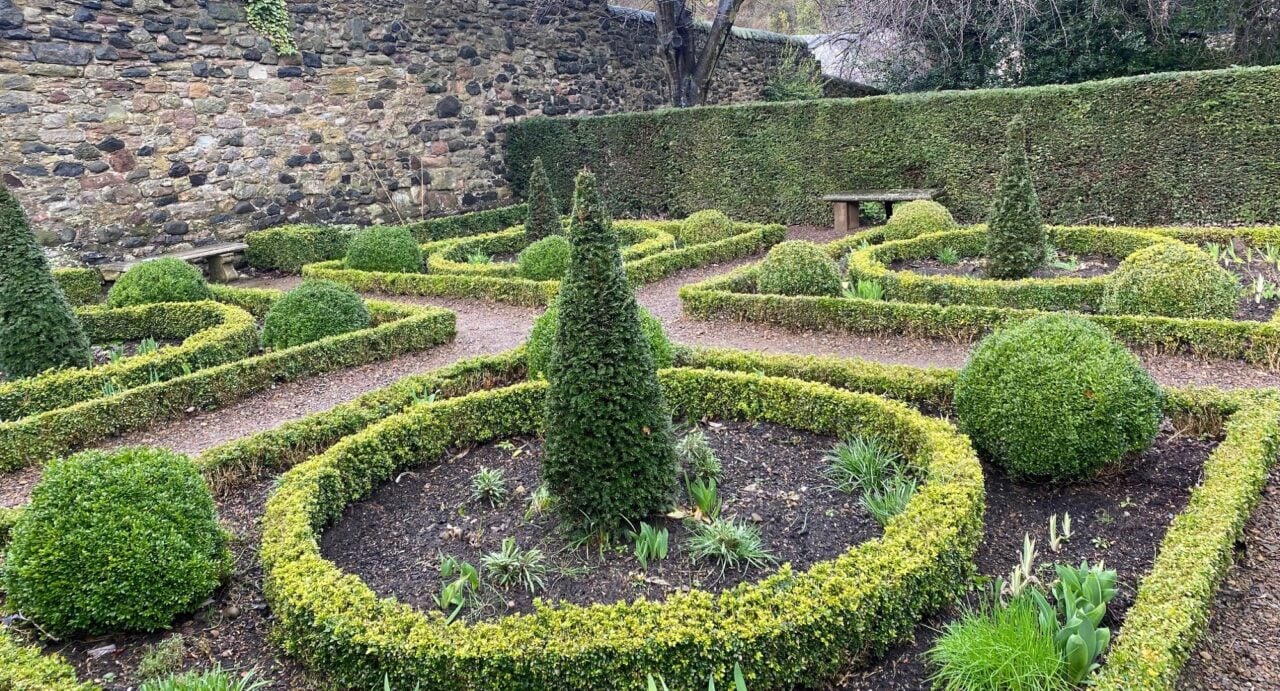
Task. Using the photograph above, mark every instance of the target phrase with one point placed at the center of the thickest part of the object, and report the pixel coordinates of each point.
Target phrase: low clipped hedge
(650, 258)
(213, 334)
(26, 668)
(82, 286)
(396, 329)
(1065, 293)
(788, 628)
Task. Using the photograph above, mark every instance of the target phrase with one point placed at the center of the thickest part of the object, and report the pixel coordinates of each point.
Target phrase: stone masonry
(130, 127)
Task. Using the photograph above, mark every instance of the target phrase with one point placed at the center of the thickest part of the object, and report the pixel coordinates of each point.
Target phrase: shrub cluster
(544, 260)
(544, 210)
(81, 285)
(1016, 242)
(918, 217)
(312, 311)
(1172, 280)
(798, 267)
(115, 541)
(1056, 397)
(390, 249)
(705, 226)
(166, 279)
(38, 331)
(543, 337)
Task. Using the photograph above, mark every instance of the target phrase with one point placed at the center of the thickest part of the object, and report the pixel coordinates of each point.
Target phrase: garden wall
(133, 126)
(1198, 147)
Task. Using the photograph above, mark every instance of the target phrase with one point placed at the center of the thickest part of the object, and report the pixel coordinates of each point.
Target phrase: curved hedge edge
(226, 465)
(1174, 599)
(783, 628)
(729, 297)
(1067, 292)
(82, 286)
(643, 238)
(213, 334)
(37, 438)
(26, 668)
(1254, 236)
(8, 518)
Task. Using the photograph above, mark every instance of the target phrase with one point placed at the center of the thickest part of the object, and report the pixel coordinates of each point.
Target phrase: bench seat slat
(890, 195)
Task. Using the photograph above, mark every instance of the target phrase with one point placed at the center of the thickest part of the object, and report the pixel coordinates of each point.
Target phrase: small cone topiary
(38, 330)
(609, 453)
(544, 209)
(1016, 241)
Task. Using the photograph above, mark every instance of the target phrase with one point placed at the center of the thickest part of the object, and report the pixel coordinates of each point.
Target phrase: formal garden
(607, 506)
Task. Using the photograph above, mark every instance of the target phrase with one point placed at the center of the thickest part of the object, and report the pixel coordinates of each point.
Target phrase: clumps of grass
(512, 566)
(998, 647)
(948, 256)
(489, 484)
(479, 258)
(698, 458)
(540, 502)
(865, 290)
(162, 659)
(890, 499)
(651, 544)
(215, 679)
(732, 543)
(867, 465)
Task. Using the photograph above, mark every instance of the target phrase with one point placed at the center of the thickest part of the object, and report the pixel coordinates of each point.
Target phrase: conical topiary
(609, 452)
(544, 210)
(38, 330)
(1016, 241)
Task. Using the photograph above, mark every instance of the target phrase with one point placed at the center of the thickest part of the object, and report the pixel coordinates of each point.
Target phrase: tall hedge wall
(1191, 147)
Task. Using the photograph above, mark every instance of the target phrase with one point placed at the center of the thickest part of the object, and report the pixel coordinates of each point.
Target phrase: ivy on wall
(271, 19)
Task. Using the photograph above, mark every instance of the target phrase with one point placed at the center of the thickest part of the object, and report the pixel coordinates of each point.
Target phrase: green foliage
(542, 341)
(389, 249)
(918, 217)
(512, 566)
(314, 310)
(163, 658)
(288, 248)
(696, 456)
(998, 647)
(706, 226)
(544, 260)
(461, 583)
(159, 280)
(705, 497)
(1172, 280)
(271, 19)
(609, 454)
(1016, 240)
(798, 267)
(865, 290)
(797, 78)
(544, 210)
(730, 543)
(861, 464)
(27, 668)
(489, 484)
(216, 679)
(1056, 397)
(1081, 595)
(890, 499)
(651, 544)
(37, 328)
(115, 541)
(82, 286)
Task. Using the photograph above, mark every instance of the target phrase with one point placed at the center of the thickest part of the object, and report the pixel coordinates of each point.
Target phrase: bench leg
(842, 217)
(888, 210)
(222, 268)
(855, 215)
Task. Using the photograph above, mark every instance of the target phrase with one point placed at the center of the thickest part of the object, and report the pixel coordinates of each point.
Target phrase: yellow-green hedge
(789, 627)
(639, 239)
(25, 668)
(82, 286)
(214, 334)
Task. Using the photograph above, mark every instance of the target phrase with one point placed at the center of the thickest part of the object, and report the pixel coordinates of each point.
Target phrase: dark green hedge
(1179, 147)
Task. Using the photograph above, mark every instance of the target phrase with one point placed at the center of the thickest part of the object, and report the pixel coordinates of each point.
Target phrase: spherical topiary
(1172, 279)
(798, 267)
(918, 218)
(38, 330)
(115, 541)
(544, 260)
(391, 249)
(1056, 397)
(159, 280)
(705, 226)
(543, 337)
(312, 311)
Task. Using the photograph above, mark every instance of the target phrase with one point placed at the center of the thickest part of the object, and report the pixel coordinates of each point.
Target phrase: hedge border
(213, 334)
(519, 291)
(82, 286)
(340, 628)
(643, 238)
(26, 668)
(872, 263)
(398, 329)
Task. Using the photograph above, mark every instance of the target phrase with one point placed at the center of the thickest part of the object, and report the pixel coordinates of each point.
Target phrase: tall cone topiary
(544, 210)
(1016, 241)
(38, 330)
(609, 451)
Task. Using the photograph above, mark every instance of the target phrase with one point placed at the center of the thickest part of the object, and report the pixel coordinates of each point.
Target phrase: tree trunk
(689, 70)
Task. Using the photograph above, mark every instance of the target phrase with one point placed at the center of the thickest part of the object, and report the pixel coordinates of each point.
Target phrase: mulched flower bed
(772, 479)
(1118, 519)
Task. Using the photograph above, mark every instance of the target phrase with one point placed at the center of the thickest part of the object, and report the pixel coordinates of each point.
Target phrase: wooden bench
(221, 258)
(848, 205)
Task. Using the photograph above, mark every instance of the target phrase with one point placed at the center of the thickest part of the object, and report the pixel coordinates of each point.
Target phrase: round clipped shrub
(544, 260)
(159, 280)
(705, 226)
(543, 338)
(115, 541)
(918, 218)
(798, 267)
(1056, 397)
(391, 249)
(1172, 279)
(312, 311)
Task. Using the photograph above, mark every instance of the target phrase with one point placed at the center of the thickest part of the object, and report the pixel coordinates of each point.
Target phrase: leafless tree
(690, 65)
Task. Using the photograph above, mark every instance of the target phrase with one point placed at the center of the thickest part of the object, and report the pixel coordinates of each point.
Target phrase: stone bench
(221, 257)
(848, 205)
